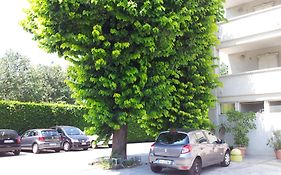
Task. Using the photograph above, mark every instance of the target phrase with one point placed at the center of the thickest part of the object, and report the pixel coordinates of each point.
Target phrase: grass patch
(113, 163)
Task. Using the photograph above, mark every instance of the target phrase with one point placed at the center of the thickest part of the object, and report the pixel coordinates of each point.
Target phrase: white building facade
(251, 49)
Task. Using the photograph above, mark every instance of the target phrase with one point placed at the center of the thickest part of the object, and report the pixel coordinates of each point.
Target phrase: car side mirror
(219, 141)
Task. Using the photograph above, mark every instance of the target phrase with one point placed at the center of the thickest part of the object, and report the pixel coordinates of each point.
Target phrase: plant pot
(278, 154)
(243, 151)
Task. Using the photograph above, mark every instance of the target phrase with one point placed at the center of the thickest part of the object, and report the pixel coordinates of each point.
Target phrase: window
(200, 137)
(173, 138)
(275, 106)
(226, 107)
(211, 137)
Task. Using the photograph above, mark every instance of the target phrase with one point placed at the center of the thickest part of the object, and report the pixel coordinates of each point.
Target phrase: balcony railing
(267, 20)
(258, 82)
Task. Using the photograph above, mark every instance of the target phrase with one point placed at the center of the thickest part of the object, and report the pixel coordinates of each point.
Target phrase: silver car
(188, 151)
(40, 139)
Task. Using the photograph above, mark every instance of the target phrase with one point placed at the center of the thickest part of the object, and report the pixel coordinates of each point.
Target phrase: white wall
(249, 61)
(250, 7)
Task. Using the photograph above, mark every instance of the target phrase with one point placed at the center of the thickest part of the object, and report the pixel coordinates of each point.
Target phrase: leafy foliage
(275, 140)
(143, 60)
(239, 124)
(23, 116)
(21, 81)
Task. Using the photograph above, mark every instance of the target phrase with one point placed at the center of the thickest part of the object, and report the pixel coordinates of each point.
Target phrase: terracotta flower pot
(278, 154)
(243, 151)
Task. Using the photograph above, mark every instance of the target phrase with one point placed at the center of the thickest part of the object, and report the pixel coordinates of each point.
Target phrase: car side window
(31, 134)
(26, 134)
(200, 138)
(211, 137)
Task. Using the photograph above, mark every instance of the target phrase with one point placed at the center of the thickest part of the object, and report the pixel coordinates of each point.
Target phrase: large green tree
(22, 81)
(145, 60)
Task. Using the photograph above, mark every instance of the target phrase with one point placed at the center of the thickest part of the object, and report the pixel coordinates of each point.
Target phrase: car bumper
(49, 146)
(78, 145)
(9, 148)
(184, 162)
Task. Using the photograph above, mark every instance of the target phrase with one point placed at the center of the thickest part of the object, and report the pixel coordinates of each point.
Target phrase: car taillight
(152, 147)
(42, 139)
(18, 140)
(186, 149)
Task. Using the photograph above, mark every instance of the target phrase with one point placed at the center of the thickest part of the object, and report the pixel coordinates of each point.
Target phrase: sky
(12, 35)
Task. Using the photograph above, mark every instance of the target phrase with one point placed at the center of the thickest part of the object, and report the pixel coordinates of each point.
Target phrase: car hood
(78, 137)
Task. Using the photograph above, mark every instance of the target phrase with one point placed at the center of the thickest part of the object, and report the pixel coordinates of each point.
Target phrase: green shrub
(23, 116)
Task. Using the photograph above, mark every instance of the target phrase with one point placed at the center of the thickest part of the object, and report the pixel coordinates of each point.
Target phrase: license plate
(52, 144)
(83, 143)
(8, 141)
(165, 162)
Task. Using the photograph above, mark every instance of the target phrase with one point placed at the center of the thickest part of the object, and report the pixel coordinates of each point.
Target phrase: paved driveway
(76, 163)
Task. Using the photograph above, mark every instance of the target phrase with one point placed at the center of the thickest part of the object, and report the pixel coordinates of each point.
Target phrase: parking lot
(76, 163)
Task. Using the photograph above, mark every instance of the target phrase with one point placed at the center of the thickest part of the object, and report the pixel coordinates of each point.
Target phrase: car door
(217, 149)
(24, 139)
(202, 148)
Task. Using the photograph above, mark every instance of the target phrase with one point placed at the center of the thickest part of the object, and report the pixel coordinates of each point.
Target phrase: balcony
(253, 85)
(251, 28)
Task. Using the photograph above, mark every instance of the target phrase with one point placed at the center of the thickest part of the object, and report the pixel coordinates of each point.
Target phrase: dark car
(190, 150)
(41, 139)
(9, 141)
(73, 138)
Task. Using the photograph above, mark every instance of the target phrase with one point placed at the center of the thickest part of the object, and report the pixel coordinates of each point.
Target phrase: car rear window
(47, 133)
(173, 138)
(4, 134)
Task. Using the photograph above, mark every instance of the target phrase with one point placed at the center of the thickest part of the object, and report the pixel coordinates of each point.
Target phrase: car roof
(186, 131)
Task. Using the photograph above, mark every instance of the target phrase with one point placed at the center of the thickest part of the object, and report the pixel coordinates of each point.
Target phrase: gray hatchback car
(41, 139)
(188, 151)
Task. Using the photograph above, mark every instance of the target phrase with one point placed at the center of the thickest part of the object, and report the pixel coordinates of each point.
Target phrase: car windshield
(4, 134)
(73, 131)
(48, 133)
(173, 138)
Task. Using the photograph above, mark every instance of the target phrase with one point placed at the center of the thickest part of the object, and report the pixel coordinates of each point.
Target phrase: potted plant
(275, 142)
(239, 124)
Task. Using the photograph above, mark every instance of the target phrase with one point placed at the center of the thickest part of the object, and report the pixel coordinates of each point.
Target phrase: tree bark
(119, 143)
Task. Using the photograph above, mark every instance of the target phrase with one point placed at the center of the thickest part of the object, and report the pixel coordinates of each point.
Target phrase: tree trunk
(119, 143)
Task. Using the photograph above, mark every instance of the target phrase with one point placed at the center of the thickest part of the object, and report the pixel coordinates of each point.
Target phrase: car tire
(93, 145)
(226, 159)
(196, 167)
(155, 169)
(35, 148)
(17, 152)
(85, 149)
(57, 150)
(66, 146)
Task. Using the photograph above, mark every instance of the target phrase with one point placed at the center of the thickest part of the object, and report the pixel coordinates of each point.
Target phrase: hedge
(23, 116)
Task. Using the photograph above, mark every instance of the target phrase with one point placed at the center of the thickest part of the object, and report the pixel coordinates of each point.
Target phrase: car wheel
(226, 159)
(196, 167)
(35, 148)
(93, 144)
(66, 146)
(155, 169)
(17, 152)
(57, 150)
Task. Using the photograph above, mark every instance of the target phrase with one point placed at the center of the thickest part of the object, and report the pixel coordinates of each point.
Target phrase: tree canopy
(142, 60)
(22, 81)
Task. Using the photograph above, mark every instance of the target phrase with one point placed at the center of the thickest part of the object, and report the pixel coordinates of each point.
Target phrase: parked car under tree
(72, 138)
(189, 150)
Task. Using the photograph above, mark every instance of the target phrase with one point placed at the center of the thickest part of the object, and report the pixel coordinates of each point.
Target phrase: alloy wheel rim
(227, 159)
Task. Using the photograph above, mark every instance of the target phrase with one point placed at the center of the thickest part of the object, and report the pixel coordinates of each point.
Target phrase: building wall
(251, 60)
(251, 7)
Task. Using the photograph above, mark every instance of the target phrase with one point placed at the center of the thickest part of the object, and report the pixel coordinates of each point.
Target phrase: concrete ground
(254, 165)
(76, 163)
